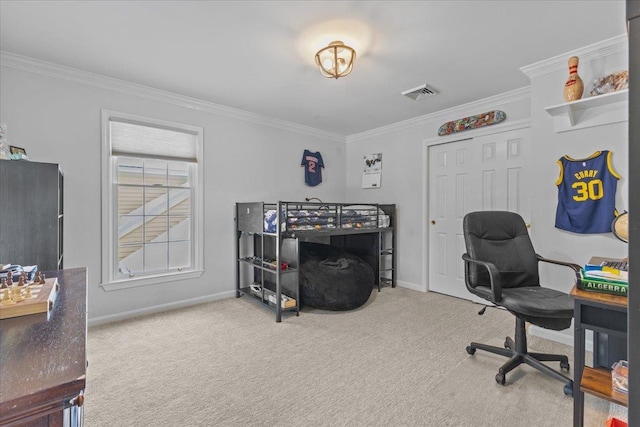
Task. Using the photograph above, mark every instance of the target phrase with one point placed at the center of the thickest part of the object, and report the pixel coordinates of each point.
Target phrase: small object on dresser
(17, 294)
(32, 298)
(18, 153)
(6, 298)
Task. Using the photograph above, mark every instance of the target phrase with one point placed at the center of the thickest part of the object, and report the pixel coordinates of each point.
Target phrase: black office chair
(501, 266)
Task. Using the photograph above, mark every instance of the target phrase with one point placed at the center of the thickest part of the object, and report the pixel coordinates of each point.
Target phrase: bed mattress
(361, 216)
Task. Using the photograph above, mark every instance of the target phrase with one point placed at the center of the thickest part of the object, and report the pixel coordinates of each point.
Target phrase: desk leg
(578, 367)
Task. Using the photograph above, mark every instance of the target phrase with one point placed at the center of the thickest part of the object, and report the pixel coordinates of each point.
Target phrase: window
(152, 201)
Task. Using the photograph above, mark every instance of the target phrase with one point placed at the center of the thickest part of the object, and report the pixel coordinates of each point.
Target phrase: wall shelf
(593, 111)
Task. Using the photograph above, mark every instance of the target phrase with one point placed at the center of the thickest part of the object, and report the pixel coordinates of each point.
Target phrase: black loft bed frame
(367, 239)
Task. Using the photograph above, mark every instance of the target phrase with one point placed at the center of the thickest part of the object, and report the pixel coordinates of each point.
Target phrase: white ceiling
(257, 56)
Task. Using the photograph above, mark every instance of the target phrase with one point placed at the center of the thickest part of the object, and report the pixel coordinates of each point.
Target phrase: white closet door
(482, 173)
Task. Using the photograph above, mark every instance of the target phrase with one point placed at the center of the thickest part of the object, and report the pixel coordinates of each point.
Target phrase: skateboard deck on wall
(472, 122)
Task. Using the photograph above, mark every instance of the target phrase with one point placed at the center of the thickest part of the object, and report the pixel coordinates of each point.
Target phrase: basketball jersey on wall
(586, 193)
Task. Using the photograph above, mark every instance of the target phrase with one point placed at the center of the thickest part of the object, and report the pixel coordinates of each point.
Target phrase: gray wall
(549, 146)
(404, 171)
(58, 121)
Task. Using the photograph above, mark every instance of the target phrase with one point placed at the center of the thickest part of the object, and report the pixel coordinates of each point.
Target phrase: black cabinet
(31, 214)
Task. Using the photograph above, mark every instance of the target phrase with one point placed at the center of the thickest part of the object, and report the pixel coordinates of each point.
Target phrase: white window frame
(110, 216)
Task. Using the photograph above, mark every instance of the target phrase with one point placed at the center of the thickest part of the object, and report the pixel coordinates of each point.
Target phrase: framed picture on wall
(372, 171)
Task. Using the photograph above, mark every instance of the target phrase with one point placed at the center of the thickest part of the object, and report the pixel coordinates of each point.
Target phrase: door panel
(488, 174)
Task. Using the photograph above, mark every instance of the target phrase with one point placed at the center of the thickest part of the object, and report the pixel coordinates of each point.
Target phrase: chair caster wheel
(471, 350)
(500, 379)
(568, 389)
(565, 366)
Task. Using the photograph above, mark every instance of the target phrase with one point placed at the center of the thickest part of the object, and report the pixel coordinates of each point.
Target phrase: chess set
(25, 296)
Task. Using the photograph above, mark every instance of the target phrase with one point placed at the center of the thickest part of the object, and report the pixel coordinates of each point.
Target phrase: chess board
(41, 301)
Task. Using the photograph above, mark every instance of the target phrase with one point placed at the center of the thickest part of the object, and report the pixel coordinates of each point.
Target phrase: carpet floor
(399, 360)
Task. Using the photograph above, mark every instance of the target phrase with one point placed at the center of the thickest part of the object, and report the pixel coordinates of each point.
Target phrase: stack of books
(604, 279)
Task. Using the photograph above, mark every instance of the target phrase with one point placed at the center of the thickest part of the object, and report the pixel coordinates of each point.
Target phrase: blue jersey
(586, 193)
(312, 163)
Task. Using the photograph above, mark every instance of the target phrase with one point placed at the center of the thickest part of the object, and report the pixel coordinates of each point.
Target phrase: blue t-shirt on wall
(312, 163)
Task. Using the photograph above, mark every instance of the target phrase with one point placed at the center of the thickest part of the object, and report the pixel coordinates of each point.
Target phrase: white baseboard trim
(556, 336)
(158, 308)
(560, 337)
(411, 286)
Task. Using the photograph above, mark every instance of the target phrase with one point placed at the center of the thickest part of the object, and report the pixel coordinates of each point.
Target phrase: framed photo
(17, 150)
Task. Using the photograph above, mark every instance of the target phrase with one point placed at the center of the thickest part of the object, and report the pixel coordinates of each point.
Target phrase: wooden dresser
(43, 359)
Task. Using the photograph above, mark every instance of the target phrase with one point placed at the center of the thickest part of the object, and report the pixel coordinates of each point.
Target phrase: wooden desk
(599, 313)
(43, 359)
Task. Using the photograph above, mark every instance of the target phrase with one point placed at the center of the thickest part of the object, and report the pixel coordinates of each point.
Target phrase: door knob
(528, 225)
(433, 222)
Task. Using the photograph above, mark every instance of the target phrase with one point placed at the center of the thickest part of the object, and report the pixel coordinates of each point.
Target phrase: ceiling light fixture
(335, 60)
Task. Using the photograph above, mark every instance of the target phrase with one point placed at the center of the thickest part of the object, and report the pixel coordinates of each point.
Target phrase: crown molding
(587, 53)
(32, 65)
(490, 102)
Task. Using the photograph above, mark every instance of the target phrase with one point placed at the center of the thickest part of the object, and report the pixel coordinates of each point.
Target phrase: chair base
(517, 353)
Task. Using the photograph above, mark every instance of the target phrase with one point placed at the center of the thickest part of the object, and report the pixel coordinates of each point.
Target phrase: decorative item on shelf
(472, 122)
(611, 83)
(18, 153)
(574, 87)
(620, 376)
(336, 60)
(620, 226)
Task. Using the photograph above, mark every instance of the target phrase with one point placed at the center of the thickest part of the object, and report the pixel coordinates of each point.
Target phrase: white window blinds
(134, 139)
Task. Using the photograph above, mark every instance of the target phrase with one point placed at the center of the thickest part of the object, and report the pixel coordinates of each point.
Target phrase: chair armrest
(575, 267)
(494, 276)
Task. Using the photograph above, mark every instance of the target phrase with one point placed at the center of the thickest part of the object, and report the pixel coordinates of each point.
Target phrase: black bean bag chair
(332, 278)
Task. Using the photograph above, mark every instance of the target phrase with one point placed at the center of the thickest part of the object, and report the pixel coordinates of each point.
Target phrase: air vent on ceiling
(421, 92)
